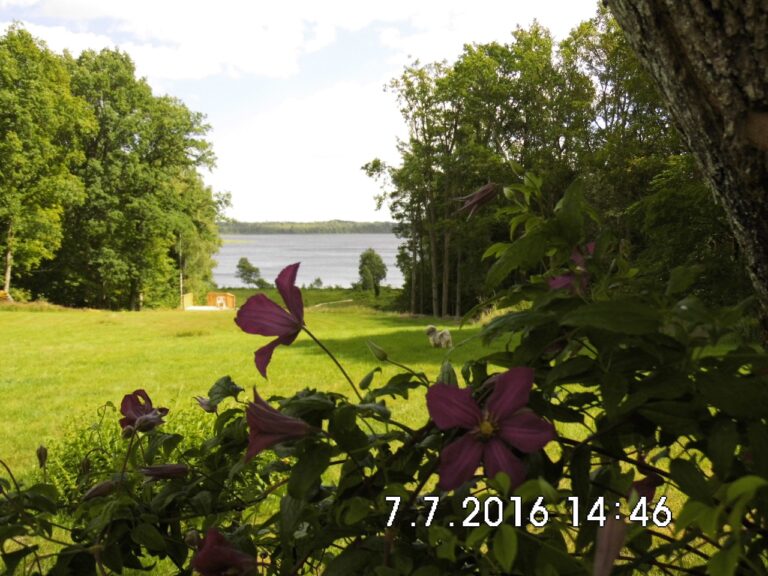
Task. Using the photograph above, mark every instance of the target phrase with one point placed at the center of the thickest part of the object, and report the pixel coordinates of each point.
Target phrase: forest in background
(578, 112)
(103, 206)
(326, 227)
(101, 201)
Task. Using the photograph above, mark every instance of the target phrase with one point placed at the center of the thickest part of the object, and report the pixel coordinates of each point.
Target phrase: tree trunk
(446, 272)
(457, 310)
(433, 260)
(8, 262)
(414, 264)
(710, 60)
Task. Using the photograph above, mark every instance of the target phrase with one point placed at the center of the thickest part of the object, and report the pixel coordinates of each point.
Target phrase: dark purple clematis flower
(504, 422)
(139, 413)
(218, 557)
(646, 487)
(165, 471)
(260, 315)
(267, 426)
(478, 198)
(577, 283)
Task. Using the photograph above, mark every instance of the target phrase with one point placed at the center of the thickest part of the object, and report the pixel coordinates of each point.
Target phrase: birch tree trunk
(8, 262)
(710, 60)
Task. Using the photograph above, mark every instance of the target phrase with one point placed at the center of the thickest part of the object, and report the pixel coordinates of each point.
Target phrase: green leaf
(613, 388)
(693, 513)
(148, 536)
(580, 467)
(306, 474)
(505, 546)
(677, 418)
(690, 479)
(725, 561)
(477, 535)
(368, 378)
(682, 278)
(736, 397)
(570, 370)
(223, 388)
(428, 571)
(12, 559)
(570, 212)
(291, 512)
(525, 252)
(623, 317)
(344, 430)
(745, 486)
(721, 446)
(398, 385)
(354, 510)
(350, 562)
(758, 447)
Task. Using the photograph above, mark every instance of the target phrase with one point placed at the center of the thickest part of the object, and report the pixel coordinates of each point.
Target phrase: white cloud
(175, 39)
(301, 160)
(60, 38)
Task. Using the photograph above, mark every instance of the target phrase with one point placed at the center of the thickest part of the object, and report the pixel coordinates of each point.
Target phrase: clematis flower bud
(206, 404)
(101, 489)
(42, 455)
(192, 538)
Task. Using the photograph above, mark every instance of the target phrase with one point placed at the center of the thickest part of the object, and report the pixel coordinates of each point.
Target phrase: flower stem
(340, 367)
(127, 455)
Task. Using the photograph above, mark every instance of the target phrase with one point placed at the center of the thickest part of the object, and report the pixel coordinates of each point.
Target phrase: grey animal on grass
(439, 338)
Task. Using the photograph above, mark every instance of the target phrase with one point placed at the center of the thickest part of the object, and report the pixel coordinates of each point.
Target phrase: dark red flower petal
(458, 461)
(451, 407)
(510, 392)
(646, 487)
(286, 285)
(217, 557)
(498, 458)
(526, 431)
(260, 315)
(263, 355)
(267, 426)
(560, 282)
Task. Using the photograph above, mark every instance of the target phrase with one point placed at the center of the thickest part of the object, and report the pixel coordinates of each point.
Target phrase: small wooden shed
(221, 300)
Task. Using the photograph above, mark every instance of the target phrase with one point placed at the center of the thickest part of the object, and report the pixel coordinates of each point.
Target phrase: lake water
(333, 258)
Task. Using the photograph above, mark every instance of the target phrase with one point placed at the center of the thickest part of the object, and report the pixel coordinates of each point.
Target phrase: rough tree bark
(710, 60)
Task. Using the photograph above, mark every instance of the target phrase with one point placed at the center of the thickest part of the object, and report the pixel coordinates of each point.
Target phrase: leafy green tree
(148, 222)
(41, 124)
(247, 272)
(372, 270)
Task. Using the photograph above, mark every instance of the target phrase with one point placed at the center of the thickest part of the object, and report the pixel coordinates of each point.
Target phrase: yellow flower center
(486, 429)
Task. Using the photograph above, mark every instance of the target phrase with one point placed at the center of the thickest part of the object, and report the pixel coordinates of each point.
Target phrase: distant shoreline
(326, 227)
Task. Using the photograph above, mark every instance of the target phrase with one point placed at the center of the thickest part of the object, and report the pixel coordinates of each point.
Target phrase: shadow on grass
(408, 346)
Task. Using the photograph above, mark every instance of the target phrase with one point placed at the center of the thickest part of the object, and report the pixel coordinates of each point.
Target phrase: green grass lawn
(58, 366)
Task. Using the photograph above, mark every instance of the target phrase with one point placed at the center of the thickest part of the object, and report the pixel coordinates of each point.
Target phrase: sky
(294, 89)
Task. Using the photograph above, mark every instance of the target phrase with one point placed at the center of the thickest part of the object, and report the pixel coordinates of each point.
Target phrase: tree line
(581, 110)
(101, 202)
(326, 227)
